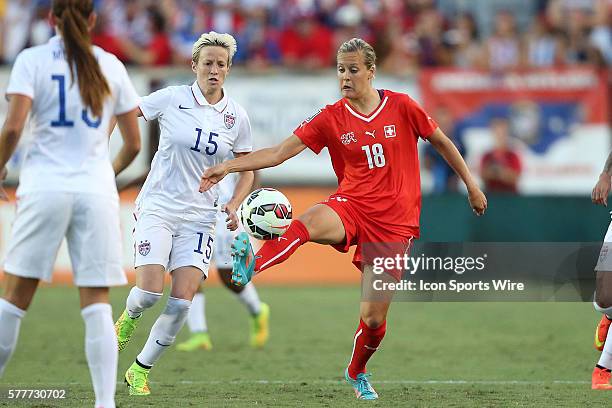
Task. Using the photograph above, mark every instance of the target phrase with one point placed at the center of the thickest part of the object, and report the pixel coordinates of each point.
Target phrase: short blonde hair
(214, 39)
(359, 45)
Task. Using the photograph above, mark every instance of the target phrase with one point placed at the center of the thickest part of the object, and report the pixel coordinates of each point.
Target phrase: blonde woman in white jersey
(67, 183)
(175, 228)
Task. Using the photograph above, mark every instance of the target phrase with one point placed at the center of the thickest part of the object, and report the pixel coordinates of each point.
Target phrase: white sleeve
(127, 98)
(22, 77)
(244, 140)
(154, 105)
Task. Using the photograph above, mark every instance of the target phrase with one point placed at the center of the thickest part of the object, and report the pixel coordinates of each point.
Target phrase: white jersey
(195, 135)
(69, 150)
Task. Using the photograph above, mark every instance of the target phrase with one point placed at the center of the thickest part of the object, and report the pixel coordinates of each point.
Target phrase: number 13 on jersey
(375, 155)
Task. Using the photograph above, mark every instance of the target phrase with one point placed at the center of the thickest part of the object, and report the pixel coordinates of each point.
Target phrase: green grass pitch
(434, 355)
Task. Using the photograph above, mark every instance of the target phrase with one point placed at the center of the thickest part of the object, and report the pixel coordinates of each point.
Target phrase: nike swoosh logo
(370, 348)
(163, 345)
(183, 107)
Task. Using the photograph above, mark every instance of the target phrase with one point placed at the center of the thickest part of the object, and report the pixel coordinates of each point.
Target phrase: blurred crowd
(304, 34)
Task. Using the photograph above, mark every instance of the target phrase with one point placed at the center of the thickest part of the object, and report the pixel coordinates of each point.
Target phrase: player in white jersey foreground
(67, 183)
(601, 376)
(175, 228)
(247, 295)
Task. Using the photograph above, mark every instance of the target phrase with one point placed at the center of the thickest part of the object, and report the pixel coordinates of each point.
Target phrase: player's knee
(177, 308)
(373, 320)
(603, 306)
(143, 298)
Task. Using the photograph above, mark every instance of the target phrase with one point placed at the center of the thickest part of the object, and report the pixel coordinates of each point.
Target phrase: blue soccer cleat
(243, 264)
(362, 387)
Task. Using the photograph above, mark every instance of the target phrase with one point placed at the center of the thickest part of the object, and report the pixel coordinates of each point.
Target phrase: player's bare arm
(602, 188)
(260, 159)
(449, 151)
(18, 109)
(243, 187)
(128, 125)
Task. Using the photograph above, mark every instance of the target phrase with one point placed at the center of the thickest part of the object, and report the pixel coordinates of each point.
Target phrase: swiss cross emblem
(229, 120)
(390, 131)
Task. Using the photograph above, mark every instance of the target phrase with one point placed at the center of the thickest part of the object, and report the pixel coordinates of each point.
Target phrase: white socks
(138, 300)
(164, 330)
(250, 299)
(101, 351)
(197, 314)
(10, 320)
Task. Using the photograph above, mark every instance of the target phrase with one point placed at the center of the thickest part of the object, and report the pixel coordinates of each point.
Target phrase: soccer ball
(265, 213)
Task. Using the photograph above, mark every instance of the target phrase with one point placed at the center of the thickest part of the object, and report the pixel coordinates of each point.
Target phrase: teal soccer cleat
(363, 388)
(243, 266)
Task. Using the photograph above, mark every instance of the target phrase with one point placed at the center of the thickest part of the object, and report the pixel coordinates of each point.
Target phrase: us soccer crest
(144, 248)
(230, 120)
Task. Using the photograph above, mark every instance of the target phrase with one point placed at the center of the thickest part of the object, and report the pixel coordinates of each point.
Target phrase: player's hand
(478, 201)
(232, 217)
(601, 190)
(3, 194)
(212, 176)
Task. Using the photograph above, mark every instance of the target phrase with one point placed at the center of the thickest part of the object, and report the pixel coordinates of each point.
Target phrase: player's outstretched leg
(162, 336)
(600, 379)
(138, 300)
(196, 320)
(273, 252)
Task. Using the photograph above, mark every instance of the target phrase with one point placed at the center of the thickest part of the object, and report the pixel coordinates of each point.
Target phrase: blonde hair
(356, 45)
(214, 39)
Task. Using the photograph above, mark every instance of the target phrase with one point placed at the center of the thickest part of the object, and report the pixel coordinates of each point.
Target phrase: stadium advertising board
(557, 120)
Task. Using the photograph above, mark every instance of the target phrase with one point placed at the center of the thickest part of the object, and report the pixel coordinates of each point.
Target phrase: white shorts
(604, 263)
(90, 223)
(170, 241)
(223, 242)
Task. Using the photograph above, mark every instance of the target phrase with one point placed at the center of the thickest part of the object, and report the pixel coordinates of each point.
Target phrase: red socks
(365, 344)
(278, 250)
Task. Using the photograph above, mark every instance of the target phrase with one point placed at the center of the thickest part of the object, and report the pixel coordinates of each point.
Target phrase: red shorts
(372, 240)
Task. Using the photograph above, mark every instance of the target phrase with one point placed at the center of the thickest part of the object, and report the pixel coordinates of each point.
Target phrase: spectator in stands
(444, 177)
(431, 52)
(601, 35)
(158, 51)
(503, 47)
(258, 41)
(307, 44)
(500, 168)
(543, 46)
(102, 36)
(16, 26)
(464, 39)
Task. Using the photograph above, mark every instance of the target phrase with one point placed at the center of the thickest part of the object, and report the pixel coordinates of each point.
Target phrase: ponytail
(71, 16)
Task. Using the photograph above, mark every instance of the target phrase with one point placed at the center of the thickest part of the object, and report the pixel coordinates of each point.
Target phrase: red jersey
(375, 156)
(506, 159)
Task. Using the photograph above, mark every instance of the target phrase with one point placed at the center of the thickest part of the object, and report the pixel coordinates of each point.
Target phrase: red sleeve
(422, 123)
(313, 132)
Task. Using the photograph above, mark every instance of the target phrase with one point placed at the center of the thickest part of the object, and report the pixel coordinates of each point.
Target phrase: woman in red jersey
(372, 139)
